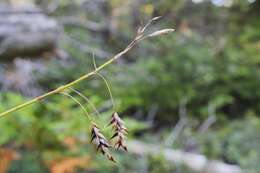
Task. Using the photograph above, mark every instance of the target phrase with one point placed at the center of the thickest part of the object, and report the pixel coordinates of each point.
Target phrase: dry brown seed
(161, 32)
(111, 158)
(101, 143)
(156, 18)
(120, 131)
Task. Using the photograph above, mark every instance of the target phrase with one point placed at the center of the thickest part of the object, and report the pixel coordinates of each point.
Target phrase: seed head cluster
(118, 138)
(120, 131)
(102, 144)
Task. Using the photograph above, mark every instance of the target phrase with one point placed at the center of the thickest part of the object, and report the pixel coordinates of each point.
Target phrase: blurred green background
(196, 90)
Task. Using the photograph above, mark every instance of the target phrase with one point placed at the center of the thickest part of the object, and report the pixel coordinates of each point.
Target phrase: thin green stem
(94, 61)
(78, 102)
(109, 90)
(86, 99)
(62, 88)
(107, 84)
(140, 36)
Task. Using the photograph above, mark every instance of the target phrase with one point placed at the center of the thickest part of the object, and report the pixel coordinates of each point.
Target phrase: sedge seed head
(120, 131)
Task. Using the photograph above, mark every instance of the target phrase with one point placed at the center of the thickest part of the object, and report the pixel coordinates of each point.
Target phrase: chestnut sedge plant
(118, 139)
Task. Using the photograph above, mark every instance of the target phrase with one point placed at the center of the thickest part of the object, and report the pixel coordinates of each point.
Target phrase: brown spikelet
(156, 18)
(101, 143)
(111, 158)
(120, 131)
(161, 32)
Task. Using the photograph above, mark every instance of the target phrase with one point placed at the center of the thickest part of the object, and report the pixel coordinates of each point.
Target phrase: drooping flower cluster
(101, 142)
(120, 131)
(119, 137)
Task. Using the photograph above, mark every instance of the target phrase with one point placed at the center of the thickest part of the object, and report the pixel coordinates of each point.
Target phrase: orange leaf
(68, 165)
(6, 158)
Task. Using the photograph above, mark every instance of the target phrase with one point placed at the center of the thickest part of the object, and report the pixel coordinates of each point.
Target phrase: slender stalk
(140, 36)
(62, 88)
(86, 99)
(107, 84)
(78, 102)
(109, 90)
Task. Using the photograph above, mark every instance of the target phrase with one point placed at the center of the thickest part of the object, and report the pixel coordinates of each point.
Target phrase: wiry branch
(140, 36)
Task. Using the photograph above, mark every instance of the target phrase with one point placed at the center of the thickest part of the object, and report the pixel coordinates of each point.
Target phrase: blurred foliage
(45, 129)
(211, 63)
(237, 144)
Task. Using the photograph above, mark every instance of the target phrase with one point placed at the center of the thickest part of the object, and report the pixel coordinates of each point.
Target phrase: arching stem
(78, 102)
(86, 99)
(140, 36)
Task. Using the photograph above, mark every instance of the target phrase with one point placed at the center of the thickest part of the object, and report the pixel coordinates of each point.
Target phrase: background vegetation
(196, 90)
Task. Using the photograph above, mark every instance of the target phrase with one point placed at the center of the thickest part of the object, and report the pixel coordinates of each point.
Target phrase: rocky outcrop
(26, 32)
